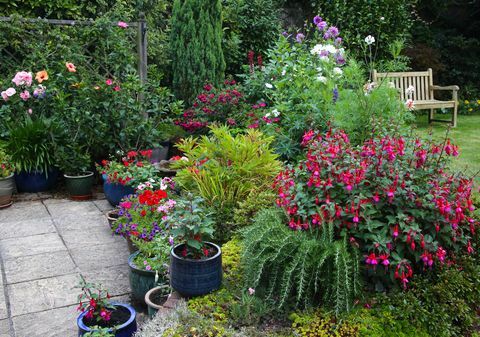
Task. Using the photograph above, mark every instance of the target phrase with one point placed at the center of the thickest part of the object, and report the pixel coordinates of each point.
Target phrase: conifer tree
(196, 46)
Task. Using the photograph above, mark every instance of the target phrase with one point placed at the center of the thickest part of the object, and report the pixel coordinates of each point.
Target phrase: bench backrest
(420, 80)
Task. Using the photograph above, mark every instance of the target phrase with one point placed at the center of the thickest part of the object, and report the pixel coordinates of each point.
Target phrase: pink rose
(109, 81)
(8, 93)
(25, 95)
(22, 78)
(122, 24)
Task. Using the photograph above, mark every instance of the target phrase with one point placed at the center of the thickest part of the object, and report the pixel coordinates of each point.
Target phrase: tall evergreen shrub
(196, 46)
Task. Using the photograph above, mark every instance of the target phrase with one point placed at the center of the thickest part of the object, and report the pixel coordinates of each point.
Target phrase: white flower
(275, 113)
(410, 104)
(148, 184)
(151, 180)
(269, 86)
(370, 39)
(284, 71)
(382, 18)
(337, 71)
(410, 90)
(184, 158)
(267, 115)
(323, 50)
(322, 79)
(141, 187)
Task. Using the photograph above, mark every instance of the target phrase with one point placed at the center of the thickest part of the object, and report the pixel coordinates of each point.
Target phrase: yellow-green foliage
(232, 269)
(224, 169)
(248, 208)
(322, 325)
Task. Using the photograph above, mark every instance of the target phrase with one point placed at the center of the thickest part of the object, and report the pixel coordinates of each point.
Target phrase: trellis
(141, 35)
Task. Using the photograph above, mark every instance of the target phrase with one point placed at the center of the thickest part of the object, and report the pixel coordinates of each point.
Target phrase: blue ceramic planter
(141, 281)
(195, 277)
(35, 181)
(115, 192)
(127, 329)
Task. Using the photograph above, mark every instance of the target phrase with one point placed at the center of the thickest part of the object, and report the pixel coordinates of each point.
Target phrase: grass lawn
(466, 135)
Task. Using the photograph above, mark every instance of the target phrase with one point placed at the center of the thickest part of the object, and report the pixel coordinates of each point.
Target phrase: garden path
(45, 245)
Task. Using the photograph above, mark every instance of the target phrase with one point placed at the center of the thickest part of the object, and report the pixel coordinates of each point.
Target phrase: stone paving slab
(3, 305)
(44, 294)
(90, 237)
(114, 279)
(24, 211)
(59, 207)
(39, 266)
(71, 222)
(100, 256)
(59, 322)
(103, 205)
(30, 245)
(23, 228)
(4, 328)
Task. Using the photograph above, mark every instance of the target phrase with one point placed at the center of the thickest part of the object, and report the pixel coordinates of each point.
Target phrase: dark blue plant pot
(195, 277)
(141, 281)
(115, 192)
(127, 329)
(35, 181)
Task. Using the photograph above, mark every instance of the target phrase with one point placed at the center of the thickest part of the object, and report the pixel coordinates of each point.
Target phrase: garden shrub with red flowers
(392, 197)
(132, 169)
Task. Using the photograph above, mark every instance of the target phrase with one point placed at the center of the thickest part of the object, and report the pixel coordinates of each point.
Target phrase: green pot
(7, 188)
(152, 297)
(141, 281)
(79, 186)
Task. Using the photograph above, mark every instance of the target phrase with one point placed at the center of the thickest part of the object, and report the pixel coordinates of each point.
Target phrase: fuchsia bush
(391, 197)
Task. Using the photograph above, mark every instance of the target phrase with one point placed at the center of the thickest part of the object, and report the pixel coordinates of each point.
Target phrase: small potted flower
(99, 332)
(121, 177)
(7, 181)
(195, 264)
(97, 312)
(149, 265)
(75, 163)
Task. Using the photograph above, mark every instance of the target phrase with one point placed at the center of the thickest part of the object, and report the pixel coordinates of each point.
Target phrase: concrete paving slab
(4, 328)
(114, 279)
(91, 237)
(76, 222)
(31, 245)
(28, 268)
(103, 205)
(44, 294)
(59, 322)
(21, 211)
(100, 256)
(3, 306)
(66, 207)
(22, 228)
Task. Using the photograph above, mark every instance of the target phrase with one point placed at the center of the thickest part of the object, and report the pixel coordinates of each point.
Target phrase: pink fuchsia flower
(22, 78)
(25, 95)
(116, 88)
(122, 24)
(105, 314)
(251, 291)
(371, 259)
(109, 81)
(70, 67)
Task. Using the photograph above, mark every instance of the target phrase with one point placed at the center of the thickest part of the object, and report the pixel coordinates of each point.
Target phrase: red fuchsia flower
(89, 314)
(395, 231)
(105, 314)
(470, 249)
(451, 149)
(307, 137)
(205, 251)
(441, 253)
(385, 260)
(371, 259)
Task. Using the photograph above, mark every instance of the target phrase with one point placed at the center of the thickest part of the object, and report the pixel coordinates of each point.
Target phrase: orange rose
(41, 76)
(71, 67)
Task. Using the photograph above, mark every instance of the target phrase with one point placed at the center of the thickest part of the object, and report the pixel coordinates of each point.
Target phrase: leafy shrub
(248, 208)
(392, 197)
(444, 304)
(305, 266)
(224, 169)
(231, 266)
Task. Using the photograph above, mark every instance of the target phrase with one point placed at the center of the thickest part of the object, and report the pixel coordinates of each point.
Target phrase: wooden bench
(423, 95)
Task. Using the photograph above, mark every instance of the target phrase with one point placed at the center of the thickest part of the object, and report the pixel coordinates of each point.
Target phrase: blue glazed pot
(35, 181)
(127, 329)
(195, 277)
(115, 192)
(141, 281)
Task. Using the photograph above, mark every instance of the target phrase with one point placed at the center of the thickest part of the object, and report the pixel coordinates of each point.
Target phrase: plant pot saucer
(81, 197)
(6, 205)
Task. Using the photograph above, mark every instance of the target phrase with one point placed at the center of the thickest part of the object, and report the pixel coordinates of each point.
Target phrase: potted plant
(122, 176)
(149, 265)
(7, 181)
(75, 163)
(30, 145)
(195, 264)
(140, 214)
(156, 297)
(98, 312)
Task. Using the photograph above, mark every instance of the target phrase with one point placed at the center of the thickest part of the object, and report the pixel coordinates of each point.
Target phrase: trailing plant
(304, 267)
(224, 169)
(392, 197)
(196, 46)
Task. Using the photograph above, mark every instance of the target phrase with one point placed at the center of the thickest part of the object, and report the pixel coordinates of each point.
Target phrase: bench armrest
(449, 87)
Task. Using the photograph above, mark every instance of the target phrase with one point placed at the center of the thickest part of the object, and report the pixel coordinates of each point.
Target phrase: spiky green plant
(303, 267)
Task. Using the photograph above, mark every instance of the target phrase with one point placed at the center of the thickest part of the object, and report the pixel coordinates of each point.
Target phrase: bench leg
(430, 115)
(454, 117)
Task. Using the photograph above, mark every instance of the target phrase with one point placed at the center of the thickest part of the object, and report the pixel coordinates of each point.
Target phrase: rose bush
(392, 197)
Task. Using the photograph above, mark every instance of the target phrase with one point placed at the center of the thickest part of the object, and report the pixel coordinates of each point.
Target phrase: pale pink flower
(25, 95)
(122, 24)
(410, 104)
(4, 95)
(22, 78)
(251, 291)
(30, 111)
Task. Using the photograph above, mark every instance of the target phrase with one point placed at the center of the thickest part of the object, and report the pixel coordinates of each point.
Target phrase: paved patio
(45, 245)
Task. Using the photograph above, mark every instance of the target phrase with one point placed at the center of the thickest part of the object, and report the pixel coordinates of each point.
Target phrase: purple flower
(322, 25)
(317, 20)
(285, 34)
(299, 38)
(335, 95)
(338, 41)
(339, 59)
(331, 33)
